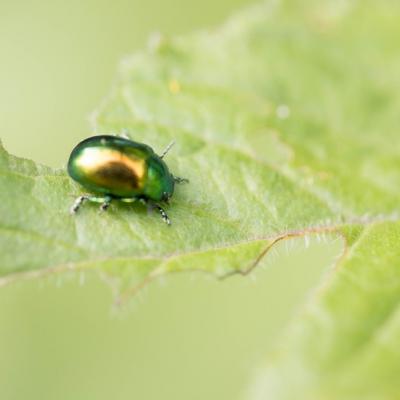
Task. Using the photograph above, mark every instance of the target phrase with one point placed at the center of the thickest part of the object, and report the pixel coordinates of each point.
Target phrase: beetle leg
(129, 199)
(177, 179)
(163, 214)
(77, 204)
(153, 205)
(106, 203)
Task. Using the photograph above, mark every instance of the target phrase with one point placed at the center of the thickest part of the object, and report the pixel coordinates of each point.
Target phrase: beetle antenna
(168, 148)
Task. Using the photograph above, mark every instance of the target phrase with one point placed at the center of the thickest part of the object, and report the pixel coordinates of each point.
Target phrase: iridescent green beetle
(113, 167)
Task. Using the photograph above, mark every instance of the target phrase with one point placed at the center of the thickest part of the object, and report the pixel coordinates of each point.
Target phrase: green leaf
(286, 123)
(344, 345)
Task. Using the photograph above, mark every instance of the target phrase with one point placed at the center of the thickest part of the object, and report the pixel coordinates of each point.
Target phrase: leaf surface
(286, 122)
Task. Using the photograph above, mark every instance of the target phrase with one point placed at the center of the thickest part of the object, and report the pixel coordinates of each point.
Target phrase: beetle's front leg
(163, 214)
(153, 205)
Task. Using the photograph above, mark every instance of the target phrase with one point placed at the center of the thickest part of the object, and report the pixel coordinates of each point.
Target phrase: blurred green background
(185, 337)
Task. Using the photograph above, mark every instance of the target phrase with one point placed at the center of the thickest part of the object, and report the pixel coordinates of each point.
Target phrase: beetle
(118, 168)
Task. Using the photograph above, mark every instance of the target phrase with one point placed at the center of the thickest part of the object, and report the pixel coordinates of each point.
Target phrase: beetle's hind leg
(177, 179)
(105, 202)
